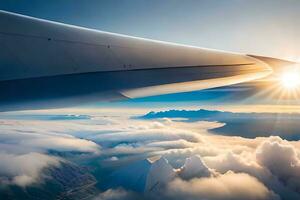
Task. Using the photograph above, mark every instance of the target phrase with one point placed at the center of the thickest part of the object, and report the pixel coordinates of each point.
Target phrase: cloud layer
(250, 161)
(271, 165)
(42, 136)
(25, 146)
(229, 186)
(24, 169)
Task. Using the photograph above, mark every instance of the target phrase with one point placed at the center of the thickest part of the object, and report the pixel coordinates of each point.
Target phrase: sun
(290, 80)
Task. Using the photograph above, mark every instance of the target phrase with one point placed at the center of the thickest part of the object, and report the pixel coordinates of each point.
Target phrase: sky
(122, 150)
(259, 27)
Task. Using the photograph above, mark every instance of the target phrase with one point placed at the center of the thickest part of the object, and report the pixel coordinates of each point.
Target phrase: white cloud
(147, 135)
(229, 186)
(271, 164)
(176, 141)
(194, 167)
(24, 145)
(41, 136)
(61, 143)
(281, 158)
(24, 169)
(172, 144)
(117, 194)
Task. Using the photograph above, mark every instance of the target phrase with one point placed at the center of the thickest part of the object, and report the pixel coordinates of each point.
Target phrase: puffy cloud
(61, 143)
(172, 144)
(25, 146)
(250, 157)
(178, 140)
(30, 136)
(24, 169)
(132, 148)
(265, 163)
(118, 194)
(275, 162)
(194, 167)
(228, 186)
(281, 158)
(148, 135)
(237, 163)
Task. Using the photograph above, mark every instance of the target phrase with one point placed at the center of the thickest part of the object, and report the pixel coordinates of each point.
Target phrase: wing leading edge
(45, 64)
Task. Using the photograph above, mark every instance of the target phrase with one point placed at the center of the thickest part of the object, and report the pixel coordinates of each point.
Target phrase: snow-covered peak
(152, 174)
(132, 176)
(160, 173)
(194, 167)
(144, 176)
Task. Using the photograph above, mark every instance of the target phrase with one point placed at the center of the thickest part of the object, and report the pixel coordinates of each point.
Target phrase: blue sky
(258, 26)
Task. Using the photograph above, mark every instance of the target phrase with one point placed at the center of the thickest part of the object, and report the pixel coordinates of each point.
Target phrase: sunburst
(290, 80)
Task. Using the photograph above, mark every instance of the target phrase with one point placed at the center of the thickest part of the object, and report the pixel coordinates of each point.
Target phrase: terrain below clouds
(248, 125)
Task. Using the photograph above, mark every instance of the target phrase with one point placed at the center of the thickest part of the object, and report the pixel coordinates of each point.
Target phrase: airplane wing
(46, 64)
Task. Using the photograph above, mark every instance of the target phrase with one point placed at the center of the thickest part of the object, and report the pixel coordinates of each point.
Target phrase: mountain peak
(161, 173)
(145, 175)
(194, 167)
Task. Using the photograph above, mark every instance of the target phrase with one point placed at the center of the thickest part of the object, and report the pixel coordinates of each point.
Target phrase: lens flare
(290, 80)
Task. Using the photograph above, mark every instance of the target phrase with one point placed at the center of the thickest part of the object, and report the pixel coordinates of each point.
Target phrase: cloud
(172, 144)
(61, 143)
(222, 187)
(42, 136)
(25, 147)
(24, 169)
(132, 148)
(118, 194)
(269, 163)
(148, 135)
(194, 167)
(282, 159)
(178, 140)
(275, 162)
